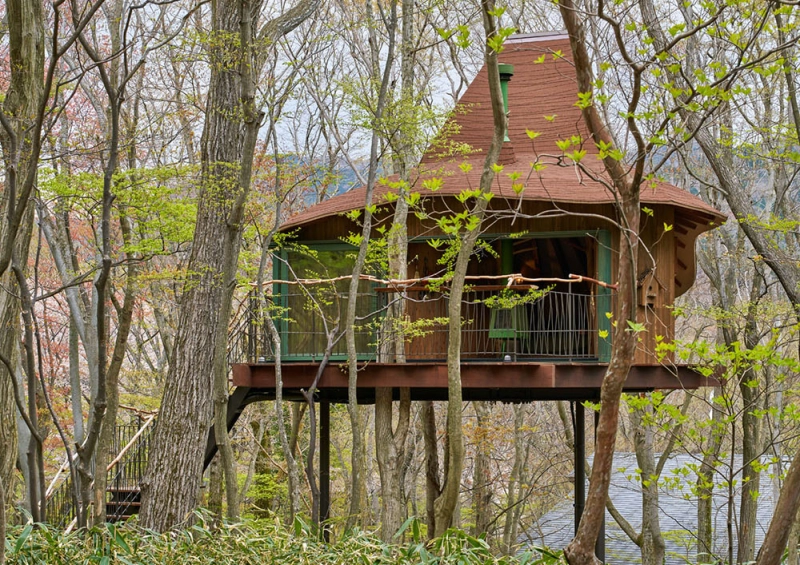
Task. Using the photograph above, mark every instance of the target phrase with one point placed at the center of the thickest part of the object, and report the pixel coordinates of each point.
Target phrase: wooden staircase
(124, 475)
(122, 503)
(125, 472)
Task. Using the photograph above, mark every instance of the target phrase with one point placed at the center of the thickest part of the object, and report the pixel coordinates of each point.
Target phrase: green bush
(251, 542)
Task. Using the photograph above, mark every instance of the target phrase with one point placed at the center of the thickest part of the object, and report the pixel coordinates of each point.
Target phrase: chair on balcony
(510, 326)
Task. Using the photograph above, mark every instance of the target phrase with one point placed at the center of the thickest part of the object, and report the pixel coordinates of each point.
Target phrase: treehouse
(536, 316)
(536, 313)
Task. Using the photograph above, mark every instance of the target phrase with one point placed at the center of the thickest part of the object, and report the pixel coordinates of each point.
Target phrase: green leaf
(23, 537)
(433, 184)
(636, 327)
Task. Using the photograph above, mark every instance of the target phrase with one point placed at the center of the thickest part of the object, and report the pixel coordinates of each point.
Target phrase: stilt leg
(580, 457)
(325, 465)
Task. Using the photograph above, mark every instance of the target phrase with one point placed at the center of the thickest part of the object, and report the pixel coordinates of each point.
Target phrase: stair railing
(60, 509)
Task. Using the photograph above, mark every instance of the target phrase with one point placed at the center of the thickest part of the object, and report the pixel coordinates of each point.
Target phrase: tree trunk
(105, 443)
(446, 503)
(357, 459)
(751, 442)
(2, 522)
(432, 475)
(198, 367)
(481, 476)
(705, 485)
(783, 518)
(215, 489)
(25, 28)
(627, 184)
(390, 451)
(652, 542)
(792, 555)
(514, 479)
(390, 445)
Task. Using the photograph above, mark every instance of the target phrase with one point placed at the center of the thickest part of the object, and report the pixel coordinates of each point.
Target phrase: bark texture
(652, 542)
(580, 551)
(22, 100)
(173, 478)
(445, 505)
(433, 483)
(174, 472)
(390, 450)
(481, 476)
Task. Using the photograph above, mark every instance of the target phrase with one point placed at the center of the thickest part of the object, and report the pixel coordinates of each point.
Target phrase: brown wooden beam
(508, 382)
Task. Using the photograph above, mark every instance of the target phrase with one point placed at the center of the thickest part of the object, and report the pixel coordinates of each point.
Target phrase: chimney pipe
(506, 72)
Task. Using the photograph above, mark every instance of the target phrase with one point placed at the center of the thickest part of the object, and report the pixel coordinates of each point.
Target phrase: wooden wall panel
(663, 258)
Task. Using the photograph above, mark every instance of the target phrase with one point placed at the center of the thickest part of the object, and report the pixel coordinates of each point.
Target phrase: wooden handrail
(50, 489)
(400, 284)
(136, 436)
(116, 460)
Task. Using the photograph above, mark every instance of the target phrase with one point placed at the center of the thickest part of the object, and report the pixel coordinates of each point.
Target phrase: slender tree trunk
(288, 452)
(357, 459)
(792, 555)
(260, 442)
(513, 480)
(105, 442)
(481, 477)
(652, 542)
(433, 484)
(627, 185)
(390, 444)
(390, 451)
(445, 505)
(76, 395)
(2, 522)
(783, 518)
(215, 489)
(751, 441)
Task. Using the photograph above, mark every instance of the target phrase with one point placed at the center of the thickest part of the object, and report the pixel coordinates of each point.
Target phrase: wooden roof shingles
(541, 98)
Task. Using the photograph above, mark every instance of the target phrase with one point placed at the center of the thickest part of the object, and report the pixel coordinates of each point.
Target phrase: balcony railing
(556, 326)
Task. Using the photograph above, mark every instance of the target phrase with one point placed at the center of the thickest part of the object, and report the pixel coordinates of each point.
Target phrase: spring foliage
(249, 542)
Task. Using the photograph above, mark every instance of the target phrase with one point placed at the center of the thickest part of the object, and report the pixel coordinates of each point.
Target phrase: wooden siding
(666, 259)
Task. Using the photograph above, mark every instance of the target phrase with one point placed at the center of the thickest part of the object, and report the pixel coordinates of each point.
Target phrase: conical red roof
(541, 98)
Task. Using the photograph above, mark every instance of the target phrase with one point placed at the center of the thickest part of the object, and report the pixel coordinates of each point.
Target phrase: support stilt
(580, 458)
(325, 465)
(236, 403)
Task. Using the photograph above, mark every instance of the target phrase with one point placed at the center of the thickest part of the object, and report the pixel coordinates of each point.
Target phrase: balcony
(499, 324)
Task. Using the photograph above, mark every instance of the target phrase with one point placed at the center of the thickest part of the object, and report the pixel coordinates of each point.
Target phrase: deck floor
(506, 382)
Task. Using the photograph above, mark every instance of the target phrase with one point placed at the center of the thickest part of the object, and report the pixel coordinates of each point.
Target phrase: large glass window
(315, 311)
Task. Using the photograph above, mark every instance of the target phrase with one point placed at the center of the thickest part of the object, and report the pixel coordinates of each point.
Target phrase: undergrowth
(250, 542)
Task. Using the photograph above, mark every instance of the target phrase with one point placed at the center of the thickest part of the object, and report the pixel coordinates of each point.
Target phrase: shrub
(252, 542)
